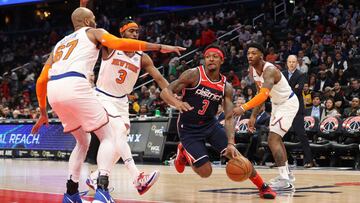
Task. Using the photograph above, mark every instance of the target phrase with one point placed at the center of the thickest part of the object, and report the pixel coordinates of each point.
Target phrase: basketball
(238, 169)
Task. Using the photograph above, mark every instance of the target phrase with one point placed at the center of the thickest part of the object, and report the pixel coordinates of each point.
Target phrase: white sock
(283, 171)
(131, 167)
(287, 167)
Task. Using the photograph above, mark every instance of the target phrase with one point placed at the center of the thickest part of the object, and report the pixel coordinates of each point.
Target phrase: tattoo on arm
(186, 79)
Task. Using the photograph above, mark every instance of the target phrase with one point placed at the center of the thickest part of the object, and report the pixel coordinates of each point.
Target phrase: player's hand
(43, 119)
(251, 124)
(230, 151)
(183, 106)
(238, 111)
(168, 49)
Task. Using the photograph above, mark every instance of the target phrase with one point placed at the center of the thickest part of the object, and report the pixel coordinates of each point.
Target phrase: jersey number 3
(122, 76)
(204, 107)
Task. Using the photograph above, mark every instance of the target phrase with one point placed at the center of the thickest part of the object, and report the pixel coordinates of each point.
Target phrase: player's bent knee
(204, 171)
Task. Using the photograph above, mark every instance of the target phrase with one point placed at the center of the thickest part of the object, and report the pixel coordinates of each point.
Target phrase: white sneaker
(282, 185)
(144, 181)
(291, 178)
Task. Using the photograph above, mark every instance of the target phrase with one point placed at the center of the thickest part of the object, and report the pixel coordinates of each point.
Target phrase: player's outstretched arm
(269, 81)
(41, 91)
(148, 65)
(186, 79)
(124, 44)
(231, 151)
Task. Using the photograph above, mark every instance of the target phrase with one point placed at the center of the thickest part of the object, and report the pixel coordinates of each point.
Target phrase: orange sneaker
(266, 192)
(180, 160)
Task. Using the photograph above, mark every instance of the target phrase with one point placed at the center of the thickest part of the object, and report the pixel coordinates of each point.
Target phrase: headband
(127, 26)
(216, 50)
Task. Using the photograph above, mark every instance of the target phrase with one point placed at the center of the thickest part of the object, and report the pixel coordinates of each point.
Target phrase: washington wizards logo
(352, 124)
(329, 125)
(242, 126)
(309, 123)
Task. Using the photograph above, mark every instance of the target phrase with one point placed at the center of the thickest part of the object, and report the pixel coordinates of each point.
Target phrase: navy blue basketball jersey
(205, 97)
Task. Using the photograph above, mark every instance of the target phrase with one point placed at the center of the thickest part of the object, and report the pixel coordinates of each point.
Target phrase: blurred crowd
(325, 41)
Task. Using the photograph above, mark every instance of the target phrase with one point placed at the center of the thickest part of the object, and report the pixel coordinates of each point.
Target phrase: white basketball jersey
(75, 52)
(119, 73)
(280, 91)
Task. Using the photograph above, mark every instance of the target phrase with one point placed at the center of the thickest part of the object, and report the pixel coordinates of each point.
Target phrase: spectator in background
(354, 90)
(233, 79)
(272, 57)
(207, 36)
(249, 93)
(145, 99)
(306, 95)
(330, 110)
(301, 66)
(157, 103)
(339, 63)
(316, 110)
(340, 76)
(354, 110)
(6, 114)
(144, 111)
(323, 82)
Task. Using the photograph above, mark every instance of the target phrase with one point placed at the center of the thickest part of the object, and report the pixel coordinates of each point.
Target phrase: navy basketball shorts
(194, 137)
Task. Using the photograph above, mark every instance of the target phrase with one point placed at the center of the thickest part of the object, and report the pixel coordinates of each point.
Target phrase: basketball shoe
(291, 178)
(282, 185)
(102, 196)
(144, 181)
(266, 192)
(180, 160)
(75, 198)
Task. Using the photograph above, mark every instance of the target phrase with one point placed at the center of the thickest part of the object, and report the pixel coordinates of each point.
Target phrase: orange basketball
(238, 169)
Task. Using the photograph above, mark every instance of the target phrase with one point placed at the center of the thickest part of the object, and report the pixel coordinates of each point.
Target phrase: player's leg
(60, 104)
(192, 150)
(76, 160)
(141, 181)
(280, 122)
(197, 156)
(219, 141)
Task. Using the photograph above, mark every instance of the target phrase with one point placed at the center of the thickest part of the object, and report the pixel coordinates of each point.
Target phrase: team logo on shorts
(352, 124)
(329, 125)
(242, 126)
(309, 123)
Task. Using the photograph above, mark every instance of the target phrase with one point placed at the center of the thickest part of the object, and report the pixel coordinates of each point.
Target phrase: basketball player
(204, 88)
(118, 74)
(271, 82)
(72, 98)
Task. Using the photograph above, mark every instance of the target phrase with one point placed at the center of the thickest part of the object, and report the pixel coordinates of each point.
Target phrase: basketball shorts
(118, 111)
(75, 103)
(282, 115)
(194, 139)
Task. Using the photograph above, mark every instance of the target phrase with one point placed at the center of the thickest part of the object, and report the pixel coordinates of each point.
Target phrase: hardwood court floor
(23, 181)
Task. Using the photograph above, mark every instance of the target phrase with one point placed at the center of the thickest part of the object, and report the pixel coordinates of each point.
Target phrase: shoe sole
(268, 196)
(152, 182)
(288, 189)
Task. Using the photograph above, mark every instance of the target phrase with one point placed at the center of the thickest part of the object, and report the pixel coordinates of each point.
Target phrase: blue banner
(18, 136)
(11, 2)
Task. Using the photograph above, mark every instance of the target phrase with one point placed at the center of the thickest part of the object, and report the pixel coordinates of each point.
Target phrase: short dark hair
(216, 46)
(125, 22)
(316, 94)
(258, 46)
